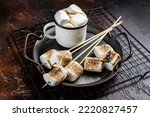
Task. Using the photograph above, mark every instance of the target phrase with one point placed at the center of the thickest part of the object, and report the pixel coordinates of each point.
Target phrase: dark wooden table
(18, 14)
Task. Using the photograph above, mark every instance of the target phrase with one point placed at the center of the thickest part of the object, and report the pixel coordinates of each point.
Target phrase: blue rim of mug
(68, 27)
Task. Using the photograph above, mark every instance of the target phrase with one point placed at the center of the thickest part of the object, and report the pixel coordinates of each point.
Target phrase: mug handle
(49, 25)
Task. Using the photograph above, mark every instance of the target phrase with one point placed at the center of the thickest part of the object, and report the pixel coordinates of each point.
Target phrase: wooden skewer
(89, 41)
(74, 59)
(84, 41)
(97, 37)
(85, 50)
(92, 38)
(99, 34)
(45, 85)
(98, 41)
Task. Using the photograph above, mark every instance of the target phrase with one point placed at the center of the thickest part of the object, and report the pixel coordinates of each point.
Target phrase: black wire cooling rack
(131, 72)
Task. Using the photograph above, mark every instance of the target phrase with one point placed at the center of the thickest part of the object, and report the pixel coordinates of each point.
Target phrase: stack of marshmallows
(71, 17)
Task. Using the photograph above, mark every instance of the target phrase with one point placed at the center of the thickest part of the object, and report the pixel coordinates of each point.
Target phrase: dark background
(16, 14)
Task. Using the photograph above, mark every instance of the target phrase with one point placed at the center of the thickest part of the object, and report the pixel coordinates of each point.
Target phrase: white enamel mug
(66, 37)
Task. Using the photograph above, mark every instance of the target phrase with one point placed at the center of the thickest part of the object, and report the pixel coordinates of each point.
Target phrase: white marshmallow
(71, 15)
(44, 58)
(68, 25)
(71, 76)
(55, 59)
(55, 76)
(93, 64)
(60, 58)
(62, 17)
(102, 50)
(78, 20)
(66, 57)
(45, 62)
(112, 59)
(74, 71)
(73, 9)
(50, 80)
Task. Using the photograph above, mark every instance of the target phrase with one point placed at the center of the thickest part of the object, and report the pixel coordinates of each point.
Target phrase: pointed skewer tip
(45, 85)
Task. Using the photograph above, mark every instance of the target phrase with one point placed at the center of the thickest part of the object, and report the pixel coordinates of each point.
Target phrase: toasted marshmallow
(68, 25)
(55, 59)
(55, 76)
(44, 58)
(93, 64)
(60, 58)
(112, 59)
(73, 9)
(102, 50)
(66, 57)
(74, 71)
(62, 17)
(79, 19)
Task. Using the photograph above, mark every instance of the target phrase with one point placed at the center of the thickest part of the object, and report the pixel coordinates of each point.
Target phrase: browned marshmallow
(74, 71)
(112, 59)
(66, 57)
(61, 58)
(93, 64)
(55, 76)
(44, 58)
(102, 50)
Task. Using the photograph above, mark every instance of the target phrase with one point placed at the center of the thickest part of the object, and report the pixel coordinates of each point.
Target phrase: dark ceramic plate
(87, 78)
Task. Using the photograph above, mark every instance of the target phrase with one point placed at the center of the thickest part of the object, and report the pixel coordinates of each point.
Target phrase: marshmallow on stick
(102, 50)
(74, 71)
(55, 76)
(62, 58)
(44, 58)
(112, 59)
(93, 64)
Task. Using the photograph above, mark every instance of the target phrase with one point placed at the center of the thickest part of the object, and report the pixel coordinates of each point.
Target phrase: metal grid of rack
(131, 72)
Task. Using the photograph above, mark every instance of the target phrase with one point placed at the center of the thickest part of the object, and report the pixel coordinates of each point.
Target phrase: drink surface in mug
(70, 26)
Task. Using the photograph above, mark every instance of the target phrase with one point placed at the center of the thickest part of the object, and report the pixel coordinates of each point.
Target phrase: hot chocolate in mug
(66, 36)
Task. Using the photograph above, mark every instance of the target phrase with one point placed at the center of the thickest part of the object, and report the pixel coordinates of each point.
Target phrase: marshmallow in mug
(71, 17)
(78, 20)
(69, 25)
(72, 9)
(62, 17)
